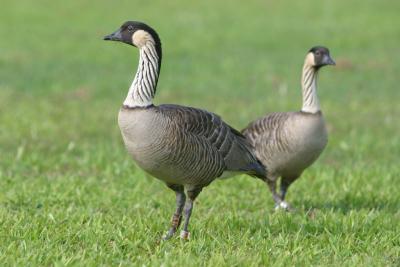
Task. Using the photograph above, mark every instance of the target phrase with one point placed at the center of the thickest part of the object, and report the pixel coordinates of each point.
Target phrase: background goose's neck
(309, 88)
(143, 87)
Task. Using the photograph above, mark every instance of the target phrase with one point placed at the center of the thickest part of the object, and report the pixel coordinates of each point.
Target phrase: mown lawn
(71, 195)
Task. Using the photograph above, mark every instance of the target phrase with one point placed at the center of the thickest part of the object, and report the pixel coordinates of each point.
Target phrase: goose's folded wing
(208, 128)
(267, 131)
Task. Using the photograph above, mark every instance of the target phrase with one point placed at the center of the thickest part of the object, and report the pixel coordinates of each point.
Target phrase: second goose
(289, 142)
(185, 147)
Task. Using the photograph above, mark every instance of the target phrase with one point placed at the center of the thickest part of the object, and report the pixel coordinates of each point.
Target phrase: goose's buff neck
(143, 88)
(309, 85)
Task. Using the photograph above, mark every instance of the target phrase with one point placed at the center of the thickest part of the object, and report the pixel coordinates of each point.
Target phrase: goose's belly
(304, 145)
(155, 148)
(155, 162)
(300, 158)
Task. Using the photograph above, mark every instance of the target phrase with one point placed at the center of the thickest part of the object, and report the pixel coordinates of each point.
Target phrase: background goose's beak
(329, 61)
(115, 36)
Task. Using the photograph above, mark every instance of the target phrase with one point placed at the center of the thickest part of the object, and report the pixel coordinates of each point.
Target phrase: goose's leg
(285, 183)
(176, 218)
(272, 187)
(192, 194)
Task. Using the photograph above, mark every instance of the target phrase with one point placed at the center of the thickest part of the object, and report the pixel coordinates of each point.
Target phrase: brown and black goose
(289, 142)
(185, 147)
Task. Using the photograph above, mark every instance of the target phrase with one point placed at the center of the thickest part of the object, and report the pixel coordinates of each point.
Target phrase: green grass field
(71, 196)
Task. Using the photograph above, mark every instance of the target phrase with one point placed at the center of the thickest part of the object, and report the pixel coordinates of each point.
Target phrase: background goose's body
(289, 142)
(185, 147)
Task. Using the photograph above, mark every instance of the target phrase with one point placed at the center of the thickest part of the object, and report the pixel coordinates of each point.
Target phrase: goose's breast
(144, 137)
(308, 139)
(159, 148)
(312, 134)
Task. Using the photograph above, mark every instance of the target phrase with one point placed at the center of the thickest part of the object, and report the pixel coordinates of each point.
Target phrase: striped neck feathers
(143, 87)
(309, 86)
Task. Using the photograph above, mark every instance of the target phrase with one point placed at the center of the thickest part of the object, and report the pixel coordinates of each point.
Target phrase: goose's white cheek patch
(310, 60)
(141, 37)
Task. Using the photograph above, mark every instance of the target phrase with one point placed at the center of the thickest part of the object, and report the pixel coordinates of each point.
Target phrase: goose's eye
(130, 28)
(317, 53)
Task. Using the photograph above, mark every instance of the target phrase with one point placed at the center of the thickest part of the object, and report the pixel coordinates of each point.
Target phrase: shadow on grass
(351, 202)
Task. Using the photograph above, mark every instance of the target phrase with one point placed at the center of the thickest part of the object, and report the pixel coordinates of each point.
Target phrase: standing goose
(185, 147)
(289, 142)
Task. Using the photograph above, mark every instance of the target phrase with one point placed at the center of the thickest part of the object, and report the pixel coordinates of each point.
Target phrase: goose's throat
(143, 87)
(309, 84)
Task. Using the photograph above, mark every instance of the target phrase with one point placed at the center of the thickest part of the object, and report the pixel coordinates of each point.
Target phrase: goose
(185, 147)
(289, 142)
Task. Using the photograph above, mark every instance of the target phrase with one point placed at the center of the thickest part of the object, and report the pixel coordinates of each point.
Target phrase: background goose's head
(319, 56)
(135, 33)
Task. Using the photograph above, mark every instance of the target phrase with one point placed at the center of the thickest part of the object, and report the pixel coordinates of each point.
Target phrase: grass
(70, 194)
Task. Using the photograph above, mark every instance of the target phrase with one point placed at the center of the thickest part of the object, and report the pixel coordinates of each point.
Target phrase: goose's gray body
(288, 142)
(185, 146)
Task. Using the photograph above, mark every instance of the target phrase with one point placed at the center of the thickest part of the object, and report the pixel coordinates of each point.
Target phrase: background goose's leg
(176, 218)
(192, 194)
(272, 187)
(285, 183)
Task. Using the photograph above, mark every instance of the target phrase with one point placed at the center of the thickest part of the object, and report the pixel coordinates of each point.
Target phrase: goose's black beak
(115, 36)
(329, 61)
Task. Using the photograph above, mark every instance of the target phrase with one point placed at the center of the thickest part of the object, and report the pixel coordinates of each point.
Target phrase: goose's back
(287, 142)
(184, 145)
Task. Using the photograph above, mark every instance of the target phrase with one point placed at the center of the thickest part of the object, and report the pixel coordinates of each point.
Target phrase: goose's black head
(321, 56)
(137, 34)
